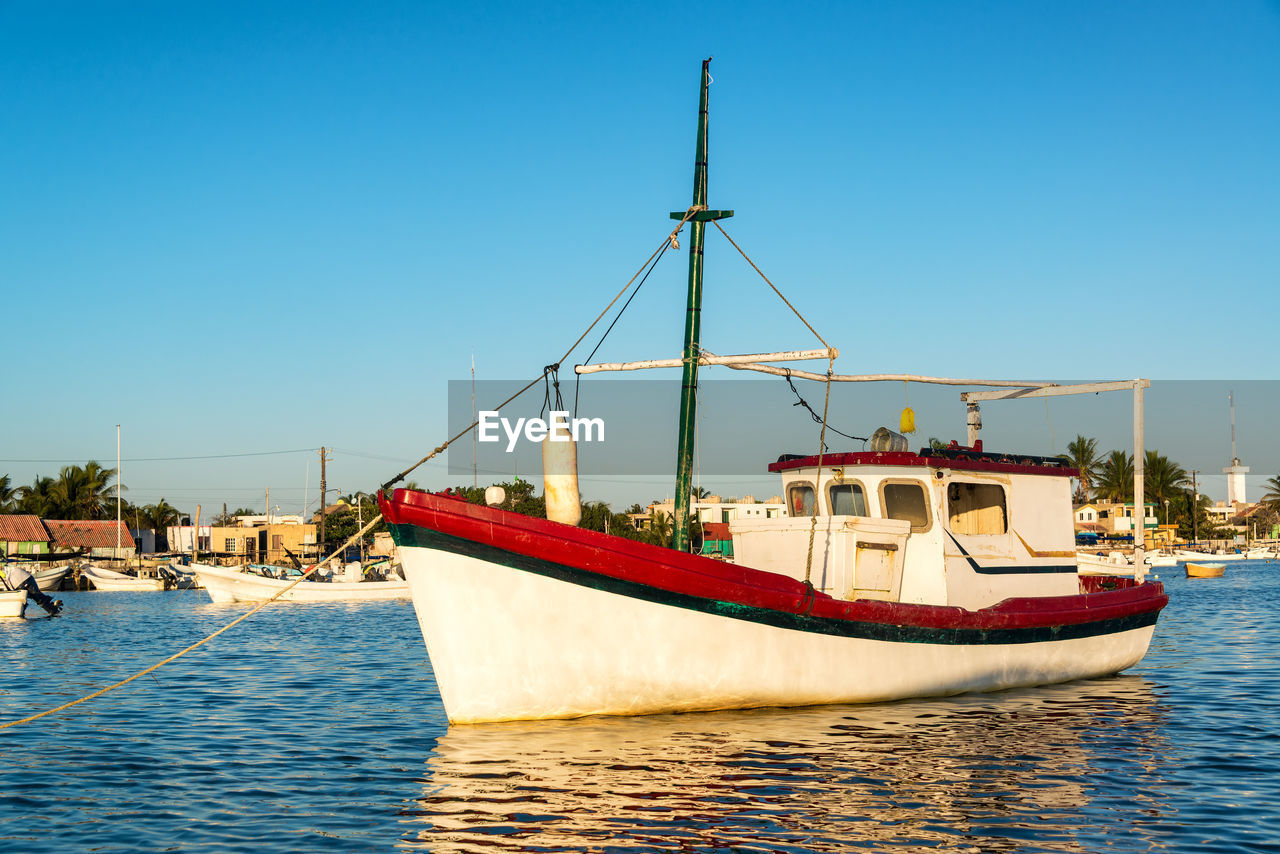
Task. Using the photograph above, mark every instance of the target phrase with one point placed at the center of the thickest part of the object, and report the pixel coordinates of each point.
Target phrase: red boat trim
(908, 459)
(652, 573)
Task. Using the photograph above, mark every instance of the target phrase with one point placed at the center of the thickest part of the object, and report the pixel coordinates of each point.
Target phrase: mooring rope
(246, 615)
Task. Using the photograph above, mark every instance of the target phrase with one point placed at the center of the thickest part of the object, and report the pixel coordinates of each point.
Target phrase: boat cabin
(953, 527)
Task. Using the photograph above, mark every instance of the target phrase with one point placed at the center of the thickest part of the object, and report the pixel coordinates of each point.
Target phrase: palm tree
(1162, 478)
(1082, 455)
(37, 499)
(159, 517)
(83, 492)
(1115, 477)
(7, 494)
(1273, 492)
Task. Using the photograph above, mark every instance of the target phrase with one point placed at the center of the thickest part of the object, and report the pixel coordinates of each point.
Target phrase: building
(1112, 519)
(22, 534)
(99, 539)
(714, 509)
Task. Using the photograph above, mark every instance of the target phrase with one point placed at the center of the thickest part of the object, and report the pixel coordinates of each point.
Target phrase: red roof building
(84, 534)
(23, 534)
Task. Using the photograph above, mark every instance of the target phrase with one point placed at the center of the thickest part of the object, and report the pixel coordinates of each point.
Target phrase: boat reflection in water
(1062, 768)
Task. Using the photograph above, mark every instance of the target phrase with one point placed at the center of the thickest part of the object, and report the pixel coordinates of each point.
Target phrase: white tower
(1235, 472)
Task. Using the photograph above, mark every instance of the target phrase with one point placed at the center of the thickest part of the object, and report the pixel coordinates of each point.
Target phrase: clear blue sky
(238, 228)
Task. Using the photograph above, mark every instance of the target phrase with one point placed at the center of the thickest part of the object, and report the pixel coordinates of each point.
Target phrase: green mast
(693, 321)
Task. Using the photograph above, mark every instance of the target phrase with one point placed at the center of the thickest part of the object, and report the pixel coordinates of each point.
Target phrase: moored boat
(242, 584)
(13, 603)
(50, 578)
(109, 580)
(1205, 570)
(893, 575)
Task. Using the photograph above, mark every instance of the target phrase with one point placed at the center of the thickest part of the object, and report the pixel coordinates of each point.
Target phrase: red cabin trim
(908, 459)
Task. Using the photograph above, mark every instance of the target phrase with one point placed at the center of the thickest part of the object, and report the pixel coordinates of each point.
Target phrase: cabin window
(906, 500)
(800, 500)
(847, 499)
(977, 508)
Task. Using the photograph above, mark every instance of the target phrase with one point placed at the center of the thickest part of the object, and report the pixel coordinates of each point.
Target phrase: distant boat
(110, 580)
(244, 584)
(1205, 570)
(1189, 555)
(13, 603)
(50, 578)
(1115, 563)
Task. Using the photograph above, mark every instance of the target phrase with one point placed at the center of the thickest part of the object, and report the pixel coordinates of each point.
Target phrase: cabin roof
(961, 460)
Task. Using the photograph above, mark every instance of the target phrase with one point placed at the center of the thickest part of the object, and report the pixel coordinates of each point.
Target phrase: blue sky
(248, 228)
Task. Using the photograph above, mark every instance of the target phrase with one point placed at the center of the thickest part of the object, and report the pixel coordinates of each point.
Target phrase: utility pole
(1194, 507)
(323, 485)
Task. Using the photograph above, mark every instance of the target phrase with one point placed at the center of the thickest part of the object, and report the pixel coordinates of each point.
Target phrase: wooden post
(195, 538)
(1139, 484)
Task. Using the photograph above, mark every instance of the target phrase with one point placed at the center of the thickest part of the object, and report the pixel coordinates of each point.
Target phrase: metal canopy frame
(998, 390)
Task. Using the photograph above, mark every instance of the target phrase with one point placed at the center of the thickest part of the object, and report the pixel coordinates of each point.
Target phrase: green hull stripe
(414, 536)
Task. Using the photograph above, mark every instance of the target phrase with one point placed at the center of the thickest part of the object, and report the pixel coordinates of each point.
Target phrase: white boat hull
(13, 603)
(1090, 564)
(513, 645)
(109, 580)
(51, 578)
(230, 584)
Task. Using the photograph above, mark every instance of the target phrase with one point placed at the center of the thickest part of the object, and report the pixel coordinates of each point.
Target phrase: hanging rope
(817, 496)
(440, 449)
(246, 615)
(818, 419)
(577, 381)
(716, 223)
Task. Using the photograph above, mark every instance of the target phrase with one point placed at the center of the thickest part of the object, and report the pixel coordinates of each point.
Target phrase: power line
(175, 459)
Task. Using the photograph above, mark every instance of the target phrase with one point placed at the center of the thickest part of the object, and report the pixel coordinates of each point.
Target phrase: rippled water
(318, 727)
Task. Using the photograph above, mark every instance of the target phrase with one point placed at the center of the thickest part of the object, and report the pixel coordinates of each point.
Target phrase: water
(318, 728)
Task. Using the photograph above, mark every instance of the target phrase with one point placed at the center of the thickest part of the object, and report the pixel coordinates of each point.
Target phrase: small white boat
(108, 579)
(50, 578)
(1115, 563)
(243, 584)
(1160, 559)
(1216, 556)
(13, 603)
(1205, 570)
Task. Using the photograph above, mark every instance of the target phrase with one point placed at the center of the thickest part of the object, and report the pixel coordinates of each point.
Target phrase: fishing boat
(109, 580)
(50, 577)
(1205, 570)
(894, 574)
(258, 583)
(13, 603)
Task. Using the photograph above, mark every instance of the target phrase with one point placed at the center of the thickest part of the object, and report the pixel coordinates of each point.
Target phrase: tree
(1082, 455)
(1115, 477)
(8, 495)
(37, 499)
(159, 517)
(1162, 478)
(82, 492)
(1272, 495)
